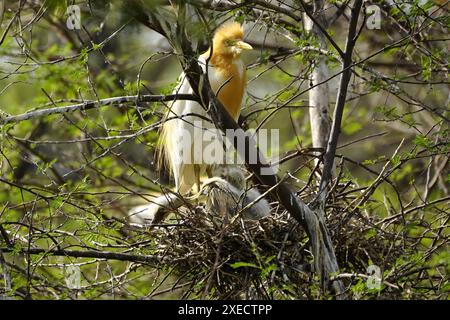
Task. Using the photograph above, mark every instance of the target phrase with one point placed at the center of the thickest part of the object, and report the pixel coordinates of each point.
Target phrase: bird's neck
(230, 80)
(222, 61)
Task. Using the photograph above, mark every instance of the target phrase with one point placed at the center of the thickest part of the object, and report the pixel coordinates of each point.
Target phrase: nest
(221, 255)
(232, 258)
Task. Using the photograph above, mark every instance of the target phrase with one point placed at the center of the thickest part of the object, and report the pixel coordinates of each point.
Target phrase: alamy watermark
(199, 145)
(72, 275)
(73, 17)
(373, 20)
(374, 277)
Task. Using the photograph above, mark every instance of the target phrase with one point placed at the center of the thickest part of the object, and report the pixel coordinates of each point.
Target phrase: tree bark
(319, 114)
(346, 73)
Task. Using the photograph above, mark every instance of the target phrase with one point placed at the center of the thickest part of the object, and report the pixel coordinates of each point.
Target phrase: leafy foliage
(68, 180)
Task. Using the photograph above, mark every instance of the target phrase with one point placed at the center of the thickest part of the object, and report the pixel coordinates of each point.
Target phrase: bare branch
(340, 102)
(92, 104)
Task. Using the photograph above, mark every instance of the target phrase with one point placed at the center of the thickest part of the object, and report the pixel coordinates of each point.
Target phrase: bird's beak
(243, 45)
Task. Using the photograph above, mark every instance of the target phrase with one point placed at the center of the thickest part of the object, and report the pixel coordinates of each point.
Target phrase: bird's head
(228, 40)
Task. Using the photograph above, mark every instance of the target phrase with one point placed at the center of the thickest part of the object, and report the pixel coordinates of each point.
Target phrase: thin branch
(340, 103)
(92, 104)
(89, 254)
(322, 29)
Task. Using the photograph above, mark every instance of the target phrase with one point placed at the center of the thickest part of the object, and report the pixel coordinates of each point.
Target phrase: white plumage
(185, 121)
(181, 119)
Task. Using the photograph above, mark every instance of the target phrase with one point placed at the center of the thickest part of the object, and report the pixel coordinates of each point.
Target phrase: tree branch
(322, 29)
(89, 254)
(319, 94)
(340, 102)
(92, 104)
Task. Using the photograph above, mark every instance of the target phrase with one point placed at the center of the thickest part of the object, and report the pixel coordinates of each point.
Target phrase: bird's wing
(181, 128)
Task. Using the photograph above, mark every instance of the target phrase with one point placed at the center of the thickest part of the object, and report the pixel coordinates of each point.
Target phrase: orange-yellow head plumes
(227, 40)
(229, 74)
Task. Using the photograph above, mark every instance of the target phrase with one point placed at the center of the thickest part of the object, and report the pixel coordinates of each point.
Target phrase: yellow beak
(243, 45)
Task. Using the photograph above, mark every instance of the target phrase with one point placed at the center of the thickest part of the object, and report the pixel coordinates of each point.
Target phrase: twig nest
(237, 257)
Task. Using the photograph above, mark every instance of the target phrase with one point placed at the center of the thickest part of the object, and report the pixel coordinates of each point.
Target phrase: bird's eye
(230, 42)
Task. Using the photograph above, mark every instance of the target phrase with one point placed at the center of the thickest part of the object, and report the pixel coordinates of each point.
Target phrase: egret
(227, 76)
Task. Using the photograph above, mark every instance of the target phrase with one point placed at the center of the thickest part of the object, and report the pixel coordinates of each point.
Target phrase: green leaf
(244, 264)
(422, 141)
(370, 234)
